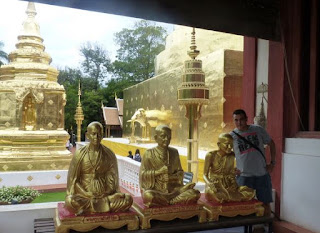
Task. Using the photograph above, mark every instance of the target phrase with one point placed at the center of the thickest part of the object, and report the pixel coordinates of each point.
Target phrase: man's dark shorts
(262, 185)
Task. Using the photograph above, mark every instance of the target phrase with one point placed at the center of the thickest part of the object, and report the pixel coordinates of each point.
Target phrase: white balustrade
(129, 174)
(81, 144)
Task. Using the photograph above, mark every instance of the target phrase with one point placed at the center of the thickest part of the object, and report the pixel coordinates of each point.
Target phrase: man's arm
(272, 150)
(272, 146)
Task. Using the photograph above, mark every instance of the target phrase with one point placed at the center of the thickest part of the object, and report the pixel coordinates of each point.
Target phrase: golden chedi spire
(32, 106)
(29, 60)
(30, 26)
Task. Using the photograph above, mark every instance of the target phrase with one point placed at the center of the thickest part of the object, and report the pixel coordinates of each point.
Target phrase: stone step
(44, 225)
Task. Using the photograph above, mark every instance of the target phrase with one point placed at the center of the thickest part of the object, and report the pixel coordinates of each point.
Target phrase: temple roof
(119, 103)
(111, 116)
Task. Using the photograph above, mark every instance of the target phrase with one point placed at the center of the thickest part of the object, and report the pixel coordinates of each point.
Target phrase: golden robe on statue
(92, 185)
(156, 189)
(220, 177)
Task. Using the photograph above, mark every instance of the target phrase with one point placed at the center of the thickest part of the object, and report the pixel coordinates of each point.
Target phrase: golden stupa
(32, 135)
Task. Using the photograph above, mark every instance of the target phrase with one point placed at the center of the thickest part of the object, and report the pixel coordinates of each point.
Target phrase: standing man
(252, 168)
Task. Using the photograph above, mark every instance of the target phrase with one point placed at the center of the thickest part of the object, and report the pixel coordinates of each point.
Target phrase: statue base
(65, 220)
(231, 209)
(167, 213)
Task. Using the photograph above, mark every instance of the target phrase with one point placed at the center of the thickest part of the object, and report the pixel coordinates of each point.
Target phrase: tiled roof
(111, 116)
(120, 106)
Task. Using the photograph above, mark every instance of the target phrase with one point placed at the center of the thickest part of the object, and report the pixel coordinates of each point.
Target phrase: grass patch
(50, 197)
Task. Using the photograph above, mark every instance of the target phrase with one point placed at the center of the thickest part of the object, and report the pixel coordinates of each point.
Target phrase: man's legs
(264, 192)
(263, 187)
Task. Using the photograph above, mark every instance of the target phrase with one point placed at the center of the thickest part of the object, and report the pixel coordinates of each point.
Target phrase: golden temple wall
(160, 92)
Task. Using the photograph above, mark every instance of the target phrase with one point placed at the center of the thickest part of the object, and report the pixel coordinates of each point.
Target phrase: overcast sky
(63, 29)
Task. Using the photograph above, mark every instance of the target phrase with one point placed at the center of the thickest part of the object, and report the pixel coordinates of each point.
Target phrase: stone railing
(129, 174)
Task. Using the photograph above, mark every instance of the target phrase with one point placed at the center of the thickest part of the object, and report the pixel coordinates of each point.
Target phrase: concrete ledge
(20, 218)
(50, 188)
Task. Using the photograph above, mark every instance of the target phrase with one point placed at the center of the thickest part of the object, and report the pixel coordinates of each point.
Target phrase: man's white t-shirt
(249, 160)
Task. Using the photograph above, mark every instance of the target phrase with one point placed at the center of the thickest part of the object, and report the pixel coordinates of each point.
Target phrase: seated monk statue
(219, 174)
(161, 174)
(93, 180)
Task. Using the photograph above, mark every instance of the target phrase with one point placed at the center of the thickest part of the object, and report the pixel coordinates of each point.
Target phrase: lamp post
(193, 93)
(79, 116)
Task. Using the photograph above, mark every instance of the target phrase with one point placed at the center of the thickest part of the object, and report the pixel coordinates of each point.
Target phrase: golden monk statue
(161, 174)
(219, 174)
(93, 182)
(29, 114)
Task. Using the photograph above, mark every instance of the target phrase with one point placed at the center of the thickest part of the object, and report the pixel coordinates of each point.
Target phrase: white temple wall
(300, 196)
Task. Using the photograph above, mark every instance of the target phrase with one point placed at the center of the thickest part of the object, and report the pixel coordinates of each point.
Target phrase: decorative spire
(193, 89)
(79, 95)
(31, 10)
(79, 117)
(30, 26)
(193, 53)
(29, 57)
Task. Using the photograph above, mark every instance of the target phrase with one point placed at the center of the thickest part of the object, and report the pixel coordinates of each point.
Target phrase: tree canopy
(138, 48)
(3, 54)
(96, 62)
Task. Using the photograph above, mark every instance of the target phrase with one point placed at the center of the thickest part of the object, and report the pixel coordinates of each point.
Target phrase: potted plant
(17, 195)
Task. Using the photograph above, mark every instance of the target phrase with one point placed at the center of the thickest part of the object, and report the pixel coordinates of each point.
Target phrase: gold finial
(115, 96)
(193, 53)
(30, 26)
(79, 94)
(31, 10)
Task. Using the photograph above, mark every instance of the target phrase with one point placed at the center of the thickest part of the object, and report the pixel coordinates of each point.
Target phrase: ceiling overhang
(255, 18)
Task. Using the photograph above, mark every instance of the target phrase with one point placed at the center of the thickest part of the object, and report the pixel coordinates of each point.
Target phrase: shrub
(17, 194)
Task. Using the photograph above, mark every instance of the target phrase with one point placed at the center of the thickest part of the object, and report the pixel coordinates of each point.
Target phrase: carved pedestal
(231, 209)
(65, 220)
(167, 213)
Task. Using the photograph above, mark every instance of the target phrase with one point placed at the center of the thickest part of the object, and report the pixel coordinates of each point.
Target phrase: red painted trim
(308, 134)
(313, 64)
(275, 111)
(249, 77)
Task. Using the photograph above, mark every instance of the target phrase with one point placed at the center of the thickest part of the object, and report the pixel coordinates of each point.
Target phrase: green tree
(3, 54)
(138, 48)
(69, 76)
(96, 62)
(115, 86)
(91, 104)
